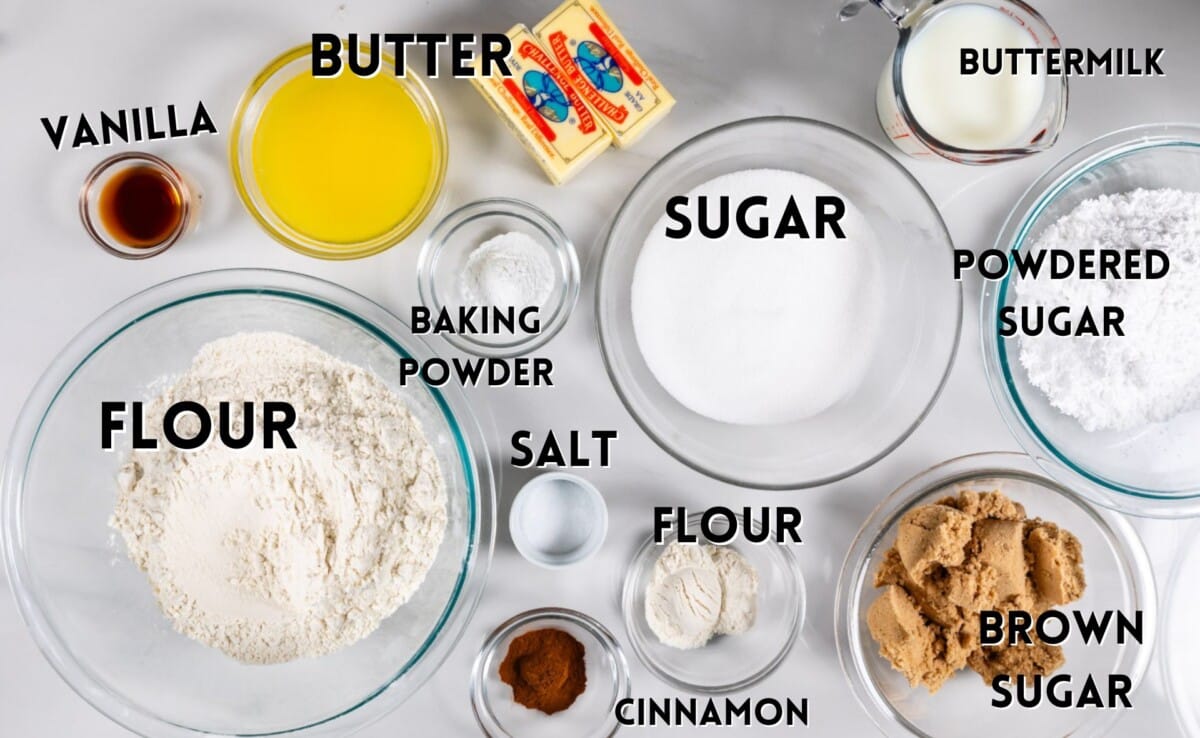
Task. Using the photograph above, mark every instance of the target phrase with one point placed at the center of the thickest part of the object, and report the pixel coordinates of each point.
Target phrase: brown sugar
(545, 669)
(955, 558)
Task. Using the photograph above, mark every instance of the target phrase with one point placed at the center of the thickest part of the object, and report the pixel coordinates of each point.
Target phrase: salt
(759, 331)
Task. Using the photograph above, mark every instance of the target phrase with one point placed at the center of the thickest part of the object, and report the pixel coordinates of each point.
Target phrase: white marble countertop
(723, 61)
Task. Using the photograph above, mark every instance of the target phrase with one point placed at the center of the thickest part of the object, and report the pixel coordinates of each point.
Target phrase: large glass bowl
(283, 69)
(1153, 471)
(92, 611)
(912, 353)
(1118, 576)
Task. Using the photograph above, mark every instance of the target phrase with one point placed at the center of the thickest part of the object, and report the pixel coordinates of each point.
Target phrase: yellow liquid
(343, 159)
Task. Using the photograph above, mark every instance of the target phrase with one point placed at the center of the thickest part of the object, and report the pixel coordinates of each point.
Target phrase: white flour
(510, 270)
(697, 592)
(739, 590)
(1152, 373)
(273, 555)
(758, 331)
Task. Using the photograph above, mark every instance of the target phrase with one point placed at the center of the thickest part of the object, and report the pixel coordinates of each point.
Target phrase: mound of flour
(277, 554)
(697, 592)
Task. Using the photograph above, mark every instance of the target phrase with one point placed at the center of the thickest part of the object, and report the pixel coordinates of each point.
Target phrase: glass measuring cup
(892, 102)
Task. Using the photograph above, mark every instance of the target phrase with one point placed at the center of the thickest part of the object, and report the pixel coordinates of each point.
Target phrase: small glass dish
(103, 173)
(730, 662)
(592, 715)
(452, 240)
(1118, 575)
(1152, 471)
(250, 107)
(558, 519)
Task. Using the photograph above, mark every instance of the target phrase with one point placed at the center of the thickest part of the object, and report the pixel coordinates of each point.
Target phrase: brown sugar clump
(545, 669)
(1055, 553)
(955, 558)
(1038, 658)
(933, 535)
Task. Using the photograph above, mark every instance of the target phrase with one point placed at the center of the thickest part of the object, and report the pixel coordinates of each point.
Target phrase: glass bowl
(726, 663)
(1153, 471)
(1118, 576)
(592, 715)
(92, 611)
(1180, 662)
(99, 177)
(245, 120)
(558, 519)
(444, 256)
(913, 352)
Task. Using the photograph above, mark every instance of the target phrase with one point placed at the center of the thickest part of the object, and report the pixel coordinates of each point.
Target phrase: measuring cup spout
(901, 12)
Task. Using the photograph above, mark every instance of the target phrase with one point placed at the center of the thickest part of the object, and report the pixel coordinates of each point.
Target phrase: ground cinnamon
(545, 669)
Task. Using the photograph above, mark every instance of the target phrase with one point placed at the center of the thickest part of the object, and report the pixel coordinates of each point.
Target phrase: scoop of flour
(697, 592)
(276, 554)
(684, 607)
(739, 588)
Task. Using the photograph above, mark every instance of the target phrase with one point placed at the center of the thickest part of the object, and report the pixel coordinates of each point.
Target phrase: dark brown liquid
(140, 207)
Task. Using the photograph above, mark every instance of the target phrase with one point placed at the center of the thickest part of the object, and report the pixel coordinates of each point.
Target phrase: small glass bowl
(283, 69)
(1152, 471)
(551, 532)
(593, 713)
(1118, 574)
(726, 663)
(89, 203)
(452, 240)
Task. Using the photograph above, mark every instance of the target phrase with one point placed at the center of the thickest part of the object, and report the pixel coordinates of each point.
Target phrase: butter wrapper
(604, 68)
(542, 108)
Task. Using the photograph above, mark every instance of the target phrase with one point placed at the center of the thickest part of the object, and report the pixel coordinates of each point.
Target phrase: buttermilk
(129, 125)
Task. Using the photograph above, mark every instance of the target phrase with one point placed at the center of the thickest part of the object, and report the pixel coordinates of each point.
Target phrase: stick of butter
(543, 109)
(605, 69)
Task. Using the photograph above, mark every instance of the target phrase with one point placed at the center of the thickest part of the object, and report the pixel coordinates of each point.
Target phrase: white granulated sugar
(1152, 373)
(697, 592)
(509, 270)
(276, 554)
(758, 331)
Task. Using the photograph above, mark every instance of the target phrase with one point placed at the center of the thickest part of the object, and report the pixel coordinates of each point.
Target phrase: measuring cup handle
(901, 12)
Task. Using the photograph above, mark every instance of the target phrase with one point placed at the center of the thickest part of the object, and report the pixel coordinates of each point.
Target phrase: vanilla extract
(475, 320)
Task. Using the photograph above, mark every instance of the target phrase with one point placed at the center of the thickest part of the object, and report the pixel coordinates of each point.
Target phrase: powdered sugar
(1152, 373)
